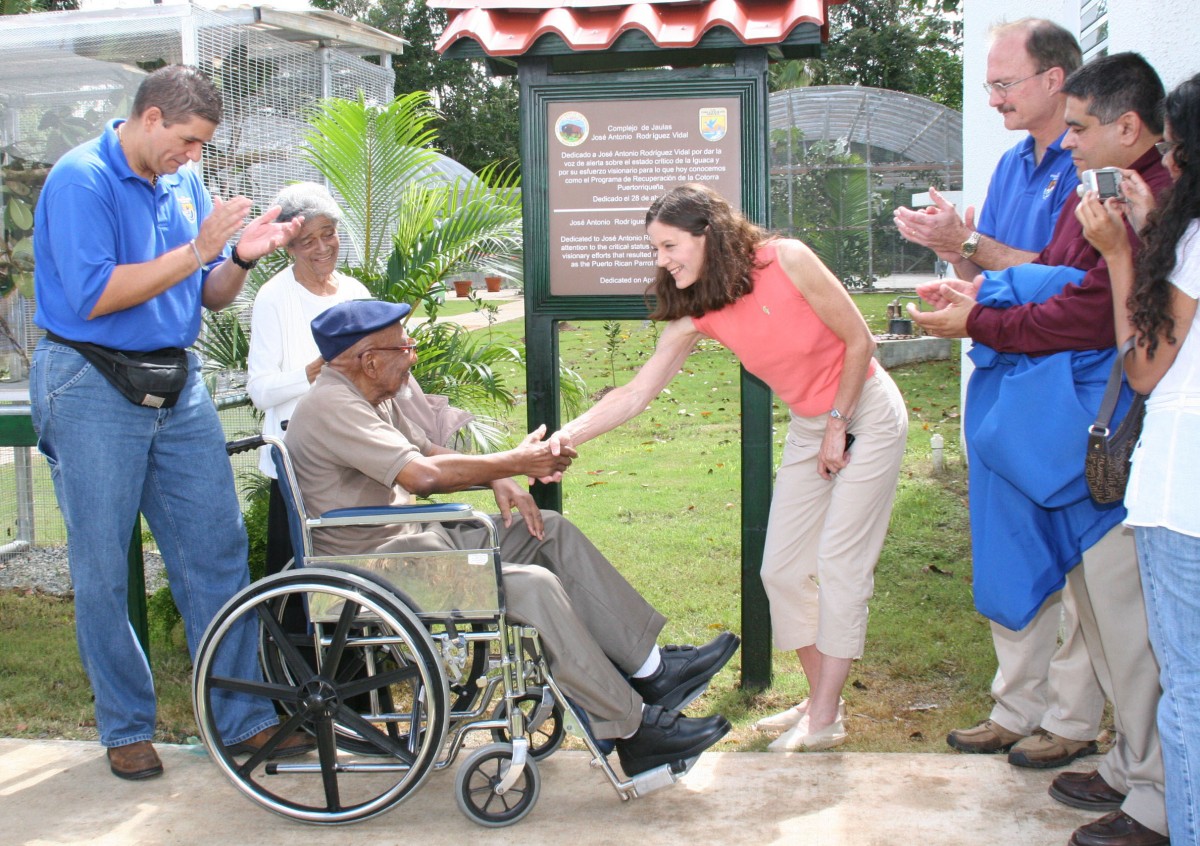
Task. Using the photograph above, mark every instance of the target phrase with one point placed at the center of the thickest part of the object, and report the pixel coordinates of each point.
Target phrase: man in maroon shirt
(1113, 121)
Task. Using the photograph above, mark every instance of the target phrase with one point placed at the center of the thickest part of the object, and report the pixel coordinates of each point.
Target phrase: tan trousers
(1042, 683)
(824, 537)
(592, 622)
(1112, 615)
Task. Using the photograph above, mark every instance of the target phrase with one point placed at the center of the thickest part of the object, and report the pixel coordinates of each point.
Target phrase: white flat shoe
(799, 737)
(777, 724)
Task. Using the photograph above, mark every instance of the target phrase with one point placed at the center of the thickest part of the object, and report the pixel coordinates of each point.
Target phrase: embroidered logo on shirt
(1050, 186)
(188, 208)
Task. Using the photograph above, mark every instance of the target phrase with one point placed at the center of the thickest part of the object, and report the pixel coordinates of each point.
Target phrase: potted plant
(462, 287)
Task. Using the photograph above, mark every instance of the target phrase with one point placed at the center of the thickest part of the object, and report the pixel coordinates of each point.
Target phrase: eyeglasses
(1165, 147)
(408, 348)
(1002, 88)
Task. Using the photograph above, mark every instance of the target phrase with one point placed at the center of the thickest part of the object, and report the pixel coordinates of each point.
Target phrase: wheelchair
(394, 663)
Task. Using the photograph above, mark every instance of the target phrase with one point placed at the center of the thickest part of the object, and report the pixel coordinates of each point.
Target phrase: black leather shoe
(1117, 829)
(1088, 791)
(134, 761)
(668, 737)
(685, 672)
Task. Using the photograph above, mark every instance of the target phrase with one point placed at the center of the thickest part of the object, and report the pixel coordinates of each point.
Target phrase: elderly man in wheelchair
(352, 450)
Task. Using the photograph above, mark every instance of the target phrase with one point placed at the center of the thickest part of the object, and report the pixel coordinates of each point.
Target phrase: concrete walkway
(61, 792)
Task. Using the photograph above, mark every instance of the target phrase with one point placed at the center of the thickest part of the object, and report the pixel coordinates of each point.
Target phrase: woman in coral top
(779, 309)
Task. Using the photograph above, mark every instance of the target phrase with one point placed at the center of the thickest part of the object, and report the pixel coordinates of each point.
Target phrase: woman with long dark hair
(1154, 301)
(774, 304)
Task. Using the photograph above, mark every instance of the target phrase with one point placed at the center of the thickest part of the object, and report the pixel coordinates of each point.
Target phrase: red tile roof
(511, 28)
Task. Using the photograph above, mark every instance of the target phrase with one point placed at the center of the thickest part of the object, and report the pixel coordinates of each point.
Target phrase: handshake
(544, 459)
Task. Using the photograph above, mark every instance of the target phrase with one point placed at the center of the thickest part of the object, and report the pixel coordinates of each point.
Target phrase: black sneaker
(668, 737)
(685, 672)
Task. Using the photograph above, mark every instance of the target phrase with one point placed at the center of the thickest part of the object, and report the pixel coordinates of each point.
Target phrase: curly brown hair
(1150, 300)
(730, 242)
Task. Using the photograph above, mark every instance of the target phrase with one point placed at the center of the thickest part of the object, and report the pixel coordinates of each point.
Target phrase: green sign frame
(746, 81)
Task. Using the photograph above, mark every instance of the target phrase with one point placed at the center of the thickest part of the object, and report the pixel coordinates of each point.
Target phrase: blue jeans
(110, 459)
(1170, 567)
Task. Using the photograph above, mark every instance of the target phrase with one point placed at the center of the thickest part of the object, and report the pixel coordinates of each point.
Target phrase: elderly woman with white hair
(283, 358)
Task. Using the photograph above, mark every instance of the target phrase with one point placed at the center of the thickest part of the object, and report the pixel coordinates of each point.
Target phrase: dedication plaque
(608, 161)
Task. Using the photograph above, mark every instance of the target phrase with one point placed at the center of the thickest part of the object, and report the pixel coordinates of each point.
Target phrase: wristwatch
(241, 262)
(837, 415)
(970, 245)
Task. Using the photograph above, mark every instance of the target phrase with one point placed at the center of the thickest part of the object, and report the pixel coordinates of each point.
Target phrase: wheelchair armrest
(374, 516)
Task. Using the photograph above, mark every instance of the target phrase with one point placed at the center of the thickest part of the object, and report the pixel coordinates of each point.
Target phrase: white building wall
(1164, 32)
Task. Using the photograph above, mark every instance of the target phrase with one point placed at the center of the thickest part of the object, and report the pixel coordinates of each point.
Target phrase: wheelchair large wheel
(463, 674)
(475, 787)
(545, 738)
(367, 667)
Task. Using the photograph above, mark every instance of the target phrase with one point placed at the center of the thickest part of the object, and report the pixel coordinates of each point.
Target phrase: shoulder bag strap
(1112, 391)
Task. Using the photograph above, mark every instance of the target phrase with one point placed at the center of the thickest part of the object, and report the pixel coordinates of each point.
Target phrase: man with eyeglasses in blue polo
(1048, 702)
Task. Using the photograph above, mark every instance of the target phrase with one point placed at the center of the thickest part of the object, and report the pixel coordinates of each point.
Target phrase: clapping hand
(950, 320)
(937, 227)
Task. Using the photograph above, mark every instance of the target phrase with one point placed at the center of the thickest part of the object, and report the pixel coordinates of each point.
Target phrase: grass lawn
(661, 498)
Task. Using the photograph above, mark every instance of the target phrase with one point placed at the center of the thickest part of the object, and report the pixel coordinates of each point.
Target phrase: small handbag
(1106, 465)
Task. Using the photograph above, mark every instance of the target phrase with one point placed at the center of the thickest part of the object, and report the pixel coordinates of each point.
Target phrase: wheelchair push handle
(244, 444)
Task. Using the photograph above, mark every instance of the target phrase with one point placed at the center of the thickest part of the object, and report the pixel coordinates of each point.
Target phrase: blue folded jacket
(1026, 427)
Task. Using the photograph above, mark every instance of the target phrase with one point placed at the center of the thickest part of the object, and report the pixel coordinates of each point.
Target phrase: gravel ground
(43, 569)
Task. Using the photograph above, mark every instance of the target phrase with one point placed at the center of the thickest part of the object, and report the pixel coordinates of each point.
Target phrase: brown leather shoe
(1088, 791)
(297, 744)
(134, 761)
(1117, 829)
(1044, 749)
(987, 737)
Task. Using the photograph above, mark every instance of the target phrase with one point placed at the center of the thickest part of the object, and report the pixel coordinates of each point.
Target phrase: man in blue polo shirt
(129, 247)
(1048, 702)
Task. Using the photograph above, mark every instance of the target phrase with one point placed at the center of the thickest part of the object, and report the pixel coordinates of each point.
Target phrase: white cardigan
(282, 345)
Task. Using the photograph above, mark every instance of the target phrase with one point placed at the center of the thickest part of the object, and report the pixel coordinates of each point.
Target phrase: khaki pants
(824, 537)
(1040, 683)
(593, 624)
(1112, 613)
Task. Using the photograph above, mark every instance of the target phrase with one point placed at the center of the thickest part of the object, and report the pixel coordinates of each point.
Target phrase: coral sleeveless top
(778, 337)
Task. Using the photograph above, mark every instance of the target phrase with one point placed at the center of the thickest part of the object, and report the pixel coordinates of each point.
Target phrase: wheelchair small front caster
(476, 781)
(545, 738)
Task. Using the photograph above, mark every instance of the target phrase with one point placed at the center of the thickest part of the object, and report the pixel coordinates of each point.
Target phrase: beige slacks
(1112, 614)
(824, 537)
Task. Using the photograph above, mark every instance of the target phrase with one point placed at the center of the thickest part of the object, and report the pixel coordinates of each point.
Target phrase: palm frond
(370, 154)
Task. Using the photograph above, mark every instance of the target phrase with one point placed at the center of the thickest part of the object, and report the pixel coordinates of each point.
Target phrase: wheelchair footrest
(660, 777)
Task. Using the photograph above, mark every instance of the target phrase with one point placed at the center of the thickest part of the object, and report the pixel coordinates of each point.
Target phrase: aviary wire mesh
(843, 157)
(64, 75)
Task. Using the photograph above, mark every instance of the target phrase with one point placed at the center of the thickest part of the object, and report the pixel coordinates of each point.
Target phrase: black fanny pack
(153, 379)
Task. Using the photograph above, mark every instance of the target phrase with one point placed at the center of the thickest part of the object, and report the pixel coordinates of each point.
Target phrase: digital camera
(1105, 181)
